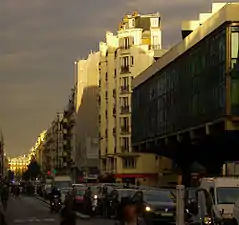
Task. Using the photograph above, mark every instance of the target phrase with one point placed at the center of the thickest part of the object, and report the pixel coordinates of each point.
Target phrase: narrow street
(31, 211)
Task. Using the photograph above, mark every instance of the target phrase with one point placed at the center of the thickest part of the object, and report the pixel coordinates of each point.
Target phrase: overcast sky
(40, 39)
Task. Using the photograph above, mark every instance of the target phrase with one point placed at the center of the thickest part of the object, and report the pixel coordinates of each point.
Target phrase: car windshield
(80, 192)
(227, 195)
(125, 193)
(62, 184)
(158, 196)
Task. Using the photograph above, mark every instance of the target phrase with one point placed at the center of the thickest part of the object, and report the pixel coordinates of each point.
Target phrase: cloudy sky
(40, 39)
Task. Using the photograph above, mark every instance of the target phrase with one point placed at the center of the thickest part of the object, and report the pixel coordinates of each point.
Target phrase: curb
(82, 216)
(43, 200)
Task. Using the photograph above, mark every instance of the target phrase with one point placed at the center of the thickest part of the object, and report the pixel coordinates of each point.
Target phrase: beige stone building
(86, 129)
(123, 56)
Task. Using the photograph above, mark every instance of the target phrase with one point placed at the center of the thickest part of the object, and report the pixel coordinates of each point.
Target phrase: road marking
(49, 220)
(19, 221)
(34, 219)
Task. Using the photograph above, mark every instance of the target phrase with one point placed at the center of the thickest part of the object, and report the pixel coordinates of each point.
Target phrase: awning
(138, 175)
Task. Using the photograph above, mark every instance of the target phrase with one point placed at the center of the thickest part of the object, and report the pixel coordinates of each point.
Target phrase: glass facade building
(197, 87)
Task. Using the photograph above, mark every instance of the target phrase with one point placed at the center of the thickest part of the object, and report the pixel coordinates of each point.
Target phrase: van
(224, 192)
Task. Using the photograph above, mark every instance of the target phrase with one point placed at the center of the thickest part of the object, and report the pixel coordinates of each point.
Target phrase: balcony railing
(124, 69)
(124, 149)
(124, 109)
(125, 130)
(125, 89)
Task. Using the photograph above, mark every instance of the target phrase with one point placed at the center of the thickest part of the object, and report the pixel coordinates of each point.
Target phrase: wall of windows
(234, 71)
(186, 93)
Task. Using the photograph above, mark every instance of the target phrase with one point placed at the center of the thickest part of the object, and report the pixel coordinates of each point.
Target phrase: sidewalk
(78, 214)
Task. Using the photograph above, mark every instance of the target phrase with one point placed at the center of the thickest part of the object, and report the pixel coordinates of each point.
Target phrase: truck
(224, 192)
(230, 169)
(63, 184)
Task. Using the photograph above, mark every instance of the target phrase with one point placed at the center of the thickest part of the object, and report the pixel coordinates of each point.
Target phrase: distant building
(19, 165)
(51, 154)
(40, 150)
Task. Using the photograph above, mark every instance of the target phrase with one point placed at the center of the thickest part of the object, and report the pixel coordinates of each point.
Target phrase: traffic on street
(107, 204)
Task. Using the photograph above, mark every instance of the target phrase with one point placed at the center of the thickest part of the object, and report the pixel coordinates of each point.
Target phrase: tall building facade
(40, 150)
(68, 123)
(52, 159)
(86, 127)
(186, 104)
(122, 57)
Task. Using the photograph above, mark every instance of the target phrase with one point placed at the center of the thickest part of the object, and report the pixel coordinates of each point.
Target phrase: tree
(10, 175)
(33, 171)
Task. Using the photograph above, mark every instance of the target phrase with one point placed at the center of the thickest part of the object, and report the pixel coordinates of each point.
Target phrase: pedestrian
(4, 196)
(2, 216)
(68, 217)
(88, 201)
(105, 196)
(130, 216)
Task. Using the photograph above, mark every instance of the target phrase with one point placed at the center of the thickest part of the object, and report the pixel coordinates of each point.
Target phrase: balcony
(125, 89)
(125, 109)
(124, 149)
(125, 130)
(124, 69)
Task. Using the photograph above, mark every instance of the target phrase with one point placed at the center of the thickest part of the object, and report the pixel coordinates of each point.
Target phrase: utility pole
(180, 198)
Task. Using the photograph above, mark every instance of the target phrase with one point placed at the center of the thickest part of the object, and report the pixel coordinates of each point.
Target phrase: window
(156, 44)
(124, 101)
(125, 122)
(115, 73)
(154, 22)
(126, 42)
(129, 163)
(106, 95)
(106, 76)
(132, 60)
(106, 133)
(125, 143)
(125, 61)
(124, 81)
(106, 114)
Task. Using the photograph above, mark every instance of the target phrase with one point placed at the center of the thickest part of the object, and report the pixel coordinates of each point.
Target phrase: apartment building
(86, 127)
(53, 148)
(40, 149)
(123, 56)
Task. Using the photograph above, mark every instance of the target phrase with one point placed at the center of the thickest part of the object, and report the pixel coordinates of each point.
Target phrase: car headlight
(147, 208)
(207, 220)
(95, 196)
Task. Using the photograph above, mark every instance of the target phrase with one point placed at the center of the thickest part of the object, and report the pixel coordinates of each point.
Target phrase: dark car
(156, 206)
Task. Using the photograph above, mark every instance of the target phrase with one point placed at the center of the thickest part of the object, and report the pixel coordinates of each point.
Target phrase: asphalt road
(31, 211)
